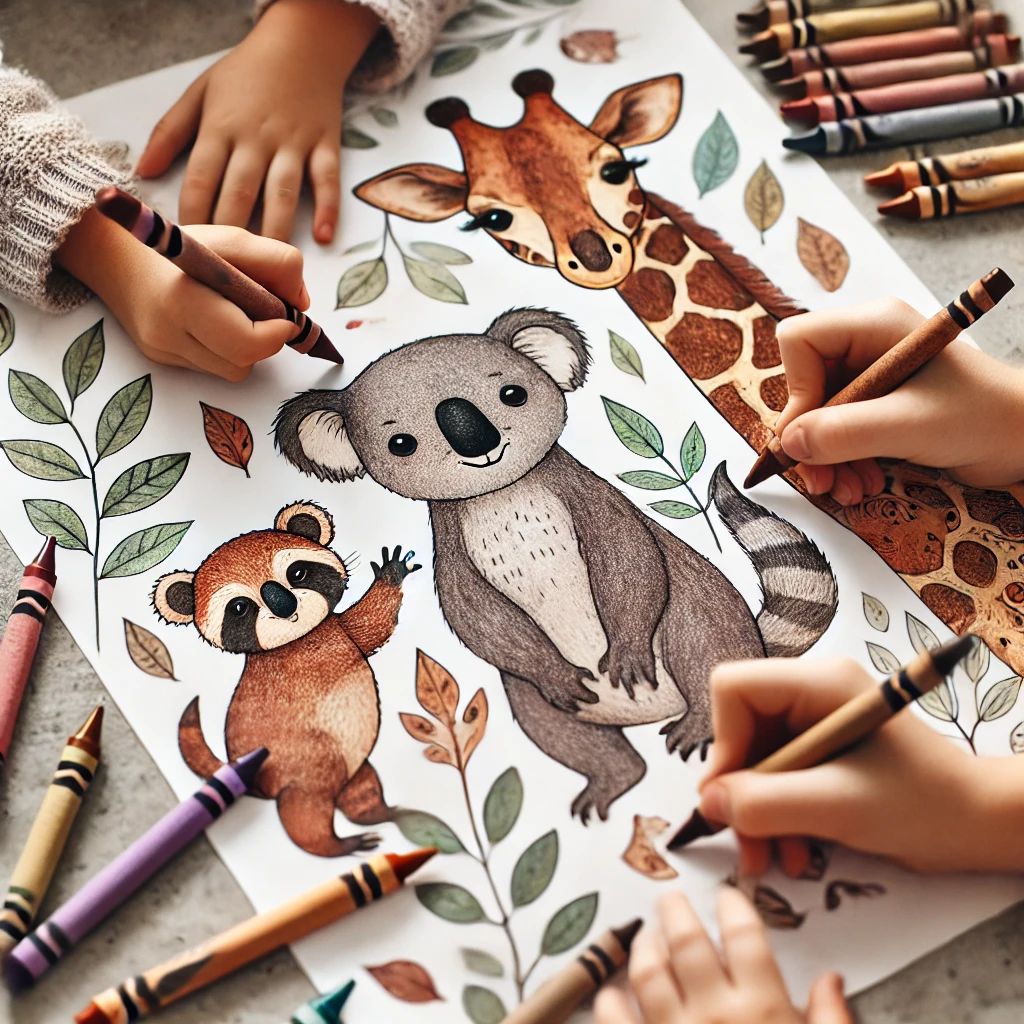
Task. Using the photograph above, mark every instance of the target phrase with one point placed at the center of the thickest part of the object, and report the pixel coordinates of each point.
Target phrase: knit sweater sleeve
(409, 29)
(50, 171)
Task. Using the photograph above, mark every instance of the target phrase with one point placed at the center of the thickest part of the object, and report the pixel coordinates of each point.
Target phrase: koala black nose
(590, 249)
(466, 428)
(280, 600)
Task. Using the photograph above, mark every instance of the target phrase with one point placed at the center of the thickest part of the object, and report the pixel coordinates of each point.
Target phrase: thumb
(173, 132)
(827, 1004)
(270, 336)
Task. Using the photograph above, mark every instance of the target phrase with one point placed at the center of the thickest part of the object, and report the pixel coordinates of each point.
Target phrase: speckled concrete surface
(76, 46)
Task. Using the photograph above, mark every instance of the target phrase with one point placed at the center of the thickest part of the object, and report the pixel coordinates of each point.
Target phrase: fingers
(240, 188)
(325, 177)
(694, 960)
(794, 855)
(612, 1006)
(827, 1004)
(651, 976)
(281, 194)
(173, 131)
(202, 178)
(748, 954)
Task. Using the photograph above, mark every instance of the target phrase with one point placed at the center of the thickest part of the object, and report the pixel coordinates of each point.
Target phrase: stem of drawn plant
(696, 500)
(968, 736)
(453, 41)
(388, 233)
(529, 971)
(96, 540)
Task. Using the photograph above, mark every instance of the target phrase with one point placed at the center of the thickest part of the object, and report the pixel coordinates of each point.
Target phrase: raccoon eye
(616, 172)
(296, 574)
(402, 444)
(239, 607)
(513, 394)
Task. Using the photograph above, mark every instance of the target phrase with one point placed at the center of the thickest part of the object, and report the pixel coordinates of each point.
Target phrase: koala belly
(523, 541)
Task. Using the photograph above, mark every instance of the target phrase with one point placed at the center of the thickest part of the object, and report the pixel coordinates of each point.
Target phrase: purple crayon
(105, 892)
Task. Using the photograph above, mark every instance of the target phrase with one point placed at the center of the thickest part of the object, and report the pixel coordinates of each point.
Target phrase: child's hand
(178, 321)
(265, 114)
(678, 977)
(963, 411)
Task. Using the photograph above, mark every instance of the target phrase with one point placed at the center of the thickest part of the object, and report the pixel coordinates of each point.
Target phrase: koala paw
(590, 800)
(567, 692)
(681, 738)
(394, 567)
(629, 667)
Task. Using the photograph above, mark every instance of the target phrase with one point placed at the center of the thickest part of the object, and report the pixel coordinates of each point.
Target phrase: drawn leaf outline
(875, 612)
(999, 699)
(921, 636)
(716, 156)
(502, 805)
(83, 360)
(625, 357)
(6, 328)
(569, 924)
(228, 436)
(940, 702)
(634, 430)
(362, 283)
(675, 509)
(763, 199)
(824, 257)
(42, 460)
(34, 398)
(649, 479)
(440, 253)
(692, 452)
(434, 280)
(482, 1006)
(384, 117)
(355, 138)
(481, 962)
(144, 484)
(534, 870)
(450, 61)
(406, 980)
(148, 652)
(425, 829)
(143, 549)
(977, 662)
(55, 519)
(450, 902)
(884, 660)
(124, 416)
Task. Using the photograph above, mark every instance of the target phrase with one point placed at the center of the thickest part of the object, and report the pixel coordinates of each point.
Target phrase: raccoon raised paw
(394, 567)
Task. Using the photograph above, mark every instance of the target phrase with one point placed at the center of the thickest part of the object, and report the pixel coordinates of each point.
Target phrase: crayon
(776, 12)
(934, 170)
(906, 96)
(145, 993)
(49, 832)
(835, 26)
(324, 1009)
(928, 202)
(555, 1000)
(21, 638)
(865, 49)
(906, 357)
(993, 51)
(850, 723)
(106, 891)
(205, 266)
(928, 124)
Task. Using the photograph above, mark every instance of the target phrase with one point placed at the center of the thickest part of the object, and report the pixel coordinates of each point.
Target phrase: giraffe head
(552, 191)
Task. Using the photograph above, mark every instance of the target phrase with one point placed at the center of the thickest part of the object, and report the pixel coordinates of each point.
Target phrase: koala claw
(588, 801)
(629, 669)
(681, 741)
(567, 695)
(394, 567)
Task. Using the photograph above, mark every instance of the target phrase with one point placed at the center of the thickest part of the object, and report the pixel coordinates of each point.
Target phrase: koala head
(261, 590)
(444, 418)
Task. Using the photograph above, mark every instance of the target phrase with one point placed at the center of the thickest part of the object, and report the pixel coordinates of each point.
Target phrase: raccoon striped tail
(800, 590)
(192, 744)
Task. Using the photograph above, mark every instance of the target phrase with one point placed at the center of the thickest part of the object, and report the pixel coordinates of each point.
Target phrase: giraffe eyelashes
(492, 220)
(616, 172)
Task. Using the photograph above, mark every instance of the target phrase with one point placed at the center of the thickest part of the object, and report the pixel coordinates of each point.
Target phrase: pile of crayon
(869, 74)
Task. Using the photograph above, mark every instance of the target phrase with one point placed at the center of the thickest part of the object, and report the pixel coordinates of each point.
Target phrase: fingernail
(838, 984)
(794, 442)
(323, 233)
(842, 493)
(714, 803)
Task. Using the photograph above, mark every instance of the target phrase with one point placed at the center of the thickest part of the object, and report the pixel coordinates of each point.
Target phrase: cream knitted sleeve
(50, 170)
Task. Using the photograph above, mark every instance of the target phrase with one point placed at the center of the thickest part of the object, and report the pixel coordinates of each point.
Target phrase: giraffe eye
(492, 220)
(617, 172)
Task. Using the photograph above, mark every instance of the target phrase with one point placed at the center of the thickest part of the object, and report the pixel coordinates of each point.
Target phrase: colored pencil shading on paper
(146, 993)
(324, 1009)
(934, 170)
(21, 638)
(49, 832)
(927, 202)
(106, 891)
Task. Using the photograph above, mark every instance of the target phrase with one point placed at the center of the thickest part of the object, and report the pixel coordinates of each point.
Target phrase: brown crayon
(929, 202)
(891, 369)
(776, 12)
(206, 267)
(934, 170)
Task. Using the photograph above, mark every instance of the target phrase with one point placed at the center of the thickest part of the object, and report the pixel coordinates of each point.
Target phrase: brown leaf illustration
(839, 888)
(470, 731)
(228, 435)
(775, 910)
(763, 199)
(441, 746)
(641, 855)
(405, 980)
(148, 651)
(594, 46)
(822, 254)
(436, 689)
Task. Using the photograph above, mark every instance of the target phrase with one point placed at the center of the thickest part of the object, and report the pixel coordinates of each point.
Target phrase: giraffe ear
(423, 192)
(640, 113)
(553, 342)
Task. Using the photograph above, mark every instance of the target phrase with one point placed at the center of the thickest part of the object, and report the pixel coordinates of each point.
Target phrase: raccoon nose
(466, 428)
(278, 599)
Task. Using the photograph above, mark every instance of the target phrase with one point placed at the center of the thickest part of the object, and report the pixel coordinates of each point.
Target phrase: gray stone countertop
(76, 46)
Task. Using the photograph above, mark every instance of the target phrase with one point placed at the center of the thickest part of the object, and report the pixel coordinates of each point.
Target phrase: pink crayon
(18, 648)
(206, 267)
(105, 892)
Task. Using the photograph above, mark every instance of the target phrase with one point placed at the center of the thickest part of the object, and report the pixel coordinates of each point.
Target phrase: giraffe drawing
(557, 193)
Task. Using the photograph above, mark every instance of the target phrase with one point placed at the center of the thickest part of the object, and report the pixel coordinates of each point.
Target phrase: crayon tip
(812, 142)
(767, 465)
(907, 206)
(45, 558)
(404, 864)
(1013, 46)
(947, 656)
(627, 933)
(89, 735)
(777, 70)
(997, 283)
(92, 1014)
(118, 206)
(18, 977)
(696, 828)
(755, 20)
(329, 1006)
(247, 767)
(793, 88)
(324, 349)
(802, 111)
(888, 177)
(764, 46)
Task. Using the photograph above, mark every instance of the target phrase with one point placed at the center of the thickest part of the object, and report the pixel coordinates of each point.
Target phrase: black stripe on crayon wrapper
(372, 881)
(303, 334)
(174, 242)
(893, 697)
(211, 806)
(47, 954)
(958, 315)
(9, 928)
(591, 969)
(355, 890)
(970, 305)
(936, 197)
(67, 782)
(19, 911)
(40, 599)
(908, 687)
(805, 33)
(156, 231)
(130, 1009)
(59, 936)
(144, 992)
(28, 609)
(222, 791)
(606, 961)
(75, 766)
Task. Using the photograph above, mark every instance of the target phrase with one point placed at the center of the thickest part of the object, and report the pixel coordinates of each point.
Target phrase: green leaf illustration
(1000, 699)
(636, 432)
(941, 702)
(480, 962)
(977, 661)
(569, 925)
(533, 35)
(503, 804)
(440, 253)
(142, 550)
(384, 117)
(884, 660)
(451, 902)
(491, 11)
(353, 138)
(649, 480)
(361, 247)
(57, 520)
(83, 360)
(448, 62)
(482, 1006)
(535, 869)
(144, 484)
(675, 509)
(624, 356)
(123, 417)
(921, 636)
(434, 280)
(425, 829)
(42, 460)
(496, 42)
(6, 328)
(875, 612)
(35, 398)
(716, 155)
(692, 452)
(362, 283)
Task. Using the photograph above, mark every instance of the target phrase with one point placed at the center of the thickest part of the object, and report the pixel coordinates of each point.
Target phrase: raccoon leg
(600, 752)
(308, 818)
(361, 799)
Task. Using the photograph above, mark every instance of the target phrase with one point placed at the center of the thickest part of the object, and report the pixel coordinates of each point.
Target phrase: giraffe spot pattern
(636, 197)
(1013, 593)
(704, 347)
(708, 284)
(667, 245)
(974, 563)
(955, 609)
(651, 294)
(726, 399)
(766, 347)
(997, 508)
(900, 532)
(775, 392)
(631, 219)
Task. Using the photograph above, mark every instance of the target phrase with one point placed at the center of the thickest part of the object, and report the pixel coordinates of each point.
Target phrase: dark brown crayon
(934, 170)
(953, 198)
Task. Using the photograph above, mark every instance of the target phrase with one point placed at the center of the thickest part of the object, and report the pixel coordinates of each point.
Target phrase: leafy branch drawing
(451, 741)
(643, 438)
(355, 138)
(138, 487)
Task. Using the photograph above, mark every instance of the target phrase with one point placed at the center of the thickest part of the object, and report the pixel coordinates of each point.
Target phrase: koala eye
(492, 220)
(402, 444)
(297, 573)
(239, 607)
(617, 172)
(513, 394)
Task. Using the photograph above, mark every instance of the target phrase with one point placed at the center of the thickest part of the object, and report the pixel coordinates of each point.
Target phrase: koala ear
(304, 519)
(553, 342)
(310, 432)
(174, 598)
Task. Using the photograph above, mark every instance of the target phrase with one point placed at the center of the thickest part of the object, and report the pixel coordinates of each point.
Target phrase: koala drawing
(596, 616)
(307, 691)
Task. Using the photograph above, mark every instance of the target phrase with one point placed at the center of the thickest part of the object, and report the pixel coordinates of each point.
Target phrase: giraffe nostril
(573, 265)
(616, 247)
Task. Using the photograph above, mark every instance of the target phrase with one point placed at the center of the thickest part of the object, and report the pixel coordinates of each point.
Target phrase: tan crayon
(854, 721)
(776, 12)
(555, 1000)
(929, 202)
(905, 358)
(934, 170)
(50, 831)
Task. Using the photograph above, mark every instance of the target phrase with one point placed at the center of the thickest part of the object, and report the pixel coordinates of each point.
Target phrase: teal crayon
(324, 1009)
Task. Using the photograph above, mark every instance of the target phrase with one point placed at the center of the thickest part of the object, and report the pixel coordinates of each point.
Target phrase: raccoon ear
(174, 598)
(310, 432)
(305, 519)
(552, 341)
